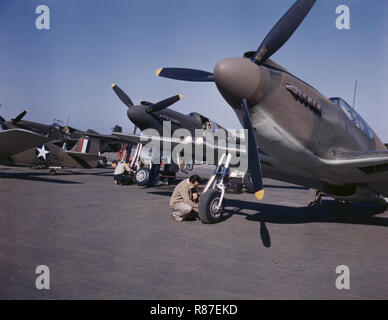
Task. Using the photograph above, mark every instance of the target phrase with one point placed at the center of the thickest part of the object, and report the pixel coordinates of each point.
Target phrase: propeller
(274, 40)
(283, 30)
(164, 104)
(185, 74)
(254, 166)
(152, 107)
(19, 117)
(122, 95)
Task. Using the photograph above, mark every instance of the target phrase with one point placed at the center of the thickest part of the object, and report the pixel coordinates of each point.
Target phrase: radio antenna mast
(355, 91)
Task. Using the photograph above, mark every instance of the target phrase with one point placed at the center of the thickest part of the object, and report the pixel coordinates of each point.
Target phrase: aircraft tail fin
(87, 145)
(117, 128)
(91, 131)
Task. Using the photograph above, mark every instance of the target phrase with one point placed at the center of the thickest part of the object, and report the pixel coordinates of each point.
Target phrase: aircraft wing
(367, 168)
(359, 159)
(144, 139)
(97, 135)
(14, 141)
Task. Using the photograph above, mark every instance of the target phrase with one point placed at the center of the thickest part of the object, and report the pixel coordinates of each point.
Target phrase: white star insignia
(42, 152)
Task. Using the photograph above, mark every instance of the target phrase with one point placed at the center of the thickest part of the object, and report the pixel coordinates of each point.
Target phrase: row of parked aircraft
(305, 138)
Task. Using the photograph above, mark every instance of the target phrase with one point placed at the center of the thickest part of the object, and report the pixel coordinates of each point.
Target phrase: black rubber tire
(52, 172)
(142, 176)
(206, 210)
(248, 183)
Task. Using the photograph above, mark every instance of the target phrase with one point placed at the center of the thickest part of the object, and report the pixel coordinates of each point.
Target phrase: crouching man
(122, 173)
(185, 198)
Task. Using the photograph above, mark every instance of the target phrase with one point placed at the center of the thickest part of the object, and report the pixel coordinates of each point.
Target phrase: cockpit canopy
(353, 116)
(207, 124)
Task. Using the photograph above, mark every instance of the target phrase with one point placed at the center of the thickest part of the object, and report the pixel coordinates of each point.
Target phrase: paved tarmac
(103, 241)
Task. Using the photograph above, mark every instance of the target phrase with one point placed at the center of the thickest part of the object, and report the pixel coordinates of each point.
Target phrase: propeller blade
(283, 30)
(185, 74)
(254, 166)
(122, 95)
(19, 117)
(164, 103)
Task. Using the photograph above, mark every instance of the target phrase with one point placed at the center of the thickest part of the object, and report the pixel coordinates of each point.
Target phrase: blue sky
(69, 69)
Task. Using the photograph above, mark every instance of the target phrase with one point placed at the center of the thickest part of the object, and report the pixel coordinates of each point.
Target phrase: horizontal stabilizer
(85, 160)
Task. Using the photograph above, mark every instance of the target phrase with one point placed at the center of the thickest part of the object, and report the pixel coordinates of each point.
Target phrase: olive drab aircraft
(50, 146)
(315, 141)
(148, 115)
(308, 139)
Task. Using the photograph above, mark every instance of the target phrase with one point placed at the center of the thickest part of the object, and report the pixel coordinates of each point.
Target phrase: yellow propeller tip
(260, 194)
(180, 96)
(26, 110)
(113, 85)
(157, 72)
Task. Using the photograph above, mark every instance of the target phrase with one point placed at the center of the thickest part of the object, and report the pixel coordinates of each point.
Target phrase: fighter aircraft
(58, 133)
(308, 139)
(149, 115)
(49, 146)
(314, 141)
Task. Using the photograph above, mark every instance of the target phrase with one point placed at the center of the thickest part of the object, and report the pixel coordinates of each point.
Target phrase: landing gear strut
(211, 208)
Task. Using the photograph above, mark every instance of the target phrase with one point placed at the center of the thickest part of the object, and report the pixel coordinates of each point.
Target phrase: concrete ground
(103, 241)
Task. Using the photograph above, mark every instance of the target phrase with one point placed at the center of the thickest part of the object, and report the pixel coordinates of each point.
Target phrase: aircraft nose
(137, 115)
(143, 120)
(238, 78)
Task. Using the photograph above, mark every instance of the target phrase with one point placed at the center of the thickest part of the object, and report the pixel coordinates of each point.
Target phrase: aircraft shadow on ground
(69, 173)
(35, 176)
(363, 214)
(270, 186)
(359, 213)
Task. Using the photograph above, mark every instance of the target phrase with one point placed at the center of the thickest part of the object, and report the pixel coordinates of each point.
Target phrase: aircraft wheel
(207, 209)
(142, 176)
(248, 183)
(52, 172)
